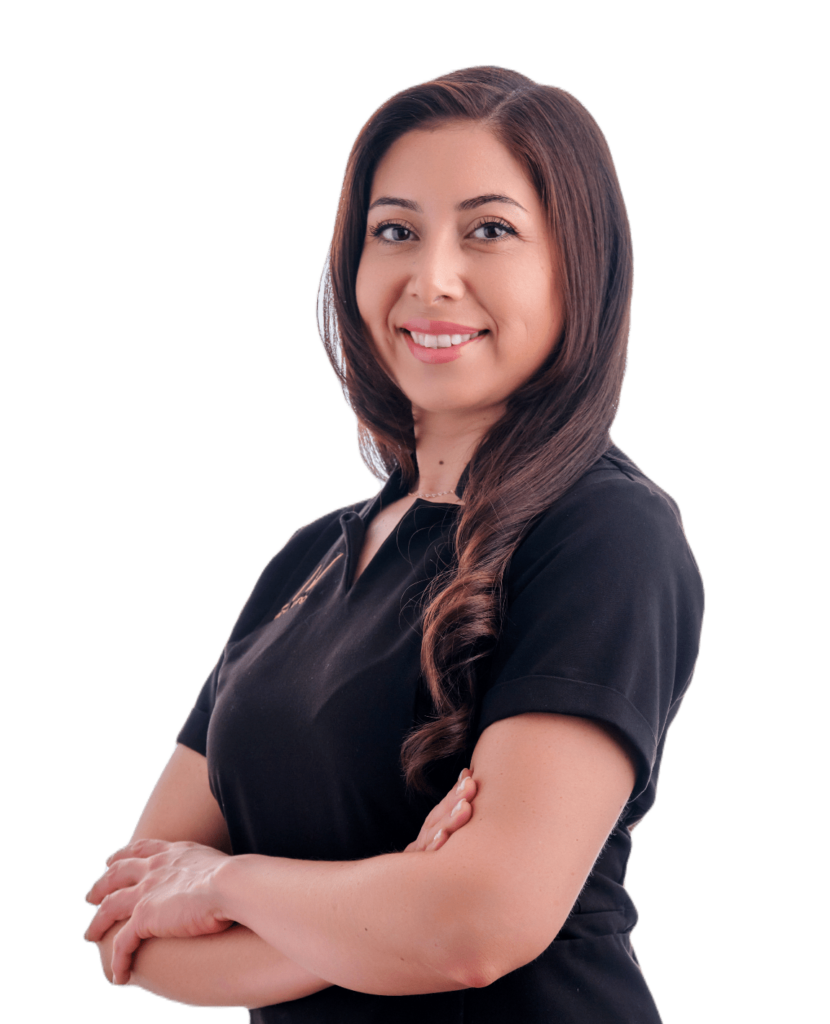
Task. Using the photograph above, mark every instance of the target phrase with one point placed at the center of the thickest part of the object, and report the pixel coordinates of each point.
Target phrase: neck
(444, 444)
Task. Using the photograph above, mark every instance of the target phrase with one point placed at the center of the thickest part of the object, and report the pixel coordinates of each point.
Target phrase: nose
(437, 271)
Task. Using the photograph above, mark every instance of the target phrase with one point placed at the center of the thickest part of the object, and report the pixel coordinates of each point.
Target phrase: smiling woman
(457, 222)
(539, 622)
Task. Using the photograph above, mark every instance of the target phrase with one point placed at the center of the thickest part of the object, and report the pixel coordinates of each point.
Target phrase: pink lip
(421, 326)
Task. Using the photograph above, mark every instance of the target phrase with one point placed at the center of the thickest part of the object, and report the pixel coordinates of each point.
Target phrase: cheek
(363, 292)
(374, 293)
(543, 307)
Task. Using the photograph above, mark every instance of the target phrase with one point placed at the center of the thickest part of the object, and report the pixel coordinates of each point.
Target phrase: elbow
(484, 970)
(490, 965)
(500, 945)
(491, 928)
(477, 974)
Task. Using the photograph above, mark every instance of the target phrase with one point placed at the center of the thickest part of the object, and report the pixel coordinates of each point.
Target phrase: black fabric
(303, 717)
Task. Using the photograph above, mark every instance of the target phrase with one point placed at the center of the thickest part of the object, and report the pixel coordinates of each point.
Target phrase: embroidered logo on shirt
(307, 587)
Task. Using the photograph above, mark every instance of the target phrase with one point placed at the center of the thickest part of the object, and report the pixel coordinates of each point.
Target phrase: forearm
(232, 968)
(397, 924)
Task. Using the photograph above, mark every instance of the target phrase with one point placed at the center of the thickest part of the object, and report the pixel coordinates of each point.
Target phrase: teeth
(441, 340)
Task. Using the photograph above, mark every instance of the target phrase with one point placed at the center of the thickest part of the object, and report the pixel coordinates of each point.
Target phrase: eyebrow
(467, 204)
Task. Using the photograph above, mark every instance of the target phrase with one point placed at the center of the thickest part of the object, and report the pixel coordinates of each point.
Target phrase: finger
(464, 791)
(456, 819)
(140, 848)
(460, 815)
(443, 818)
(441, 810)
(457, 810)
(126, 943)
(119, 875)
(116, 907)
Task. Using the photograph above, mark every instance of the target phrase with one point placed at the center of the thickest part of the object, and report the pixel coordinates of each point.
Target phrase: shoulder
(614, 496)
(291, 566)
(320, 529)
(603, 611)
(310, 542)
(614, 518)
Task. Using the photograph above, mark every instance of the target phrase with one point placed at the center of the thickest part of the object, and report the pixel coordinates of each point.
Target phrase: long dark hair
(555, 425)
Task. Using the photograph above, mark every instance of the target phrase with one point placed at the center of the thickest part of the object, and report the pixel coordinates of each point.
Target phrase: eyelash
(378, 229)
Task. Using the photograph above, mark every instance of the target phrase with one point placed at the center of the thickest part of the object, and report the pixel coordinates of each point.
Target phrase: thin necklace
(420, 494)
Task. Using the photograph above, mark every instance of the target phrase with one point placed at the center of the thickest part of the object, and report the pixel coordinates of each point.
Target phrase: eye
(392, 232)
(492, 230)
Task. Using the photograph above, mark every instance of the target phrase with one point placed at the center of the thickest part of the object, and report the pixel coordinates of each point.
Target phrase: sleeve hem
(194, 731)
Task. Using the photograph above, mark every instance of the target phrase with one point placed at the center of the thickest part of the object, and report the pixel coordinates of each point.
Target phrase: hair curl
(556, 425)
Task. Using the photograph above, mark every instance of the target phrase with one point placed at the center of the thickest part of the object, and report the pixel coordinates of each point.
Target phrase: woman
(519, 598)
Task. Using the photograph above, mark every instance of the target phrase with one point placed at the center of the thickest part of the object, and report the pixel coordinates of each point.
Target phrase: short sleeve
(193, 733)
(603, 617)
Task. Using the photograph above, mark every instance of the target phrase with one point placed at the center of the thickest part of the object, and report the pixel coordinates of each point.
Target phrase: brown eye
(392, 232)
(492, 230)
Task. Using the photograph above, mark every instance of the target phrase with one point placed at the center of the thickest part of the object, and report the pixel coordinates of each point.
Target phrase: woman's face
(458, 282)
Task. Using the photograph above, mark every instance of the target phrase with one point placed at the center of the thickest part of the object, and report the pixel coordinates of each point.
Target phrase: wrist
(227, 886)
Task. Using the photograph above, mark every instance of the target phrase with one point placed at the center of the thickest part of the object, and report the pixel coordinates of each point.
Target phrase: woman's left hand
(161, 889)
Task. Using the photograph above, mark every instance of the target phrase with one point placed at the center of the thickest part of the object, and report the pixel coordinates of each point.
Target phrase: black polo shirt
(303, 717)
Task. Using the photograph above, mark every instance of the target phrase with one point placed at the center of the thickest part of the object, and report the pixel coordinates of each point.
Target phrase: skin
(492, 267)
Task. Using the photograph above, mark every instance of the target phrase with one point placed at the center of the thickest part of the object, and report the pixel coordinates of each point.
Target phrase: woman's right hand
(454, 811)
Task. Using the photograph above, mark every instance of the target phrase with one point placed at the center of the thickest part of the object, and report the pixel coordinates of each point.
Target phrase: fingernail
(456, 809)
(461, 772)
(437, 836)
(460, 787)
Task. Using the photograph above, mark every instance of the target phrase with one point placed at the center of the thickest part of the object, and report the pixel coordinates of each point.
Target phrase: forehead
(450, 164)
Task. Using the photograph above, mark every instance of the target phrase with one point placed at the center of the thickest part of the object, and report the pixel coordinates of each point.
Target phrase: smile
(438, 348)
(441, 340)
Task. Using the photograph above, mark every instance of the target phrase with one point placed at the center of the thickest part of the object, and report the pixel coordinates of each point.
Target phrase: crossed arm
(234, 967)
(550, 789)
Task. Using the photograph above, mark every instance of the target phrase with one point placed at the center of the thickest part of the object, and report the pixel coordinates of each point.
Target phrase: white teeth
(441, 340)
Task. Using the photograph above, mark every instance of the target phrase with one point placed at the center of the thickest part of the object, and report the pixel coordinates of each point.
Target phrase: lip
(421, 326)
(436, 355)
